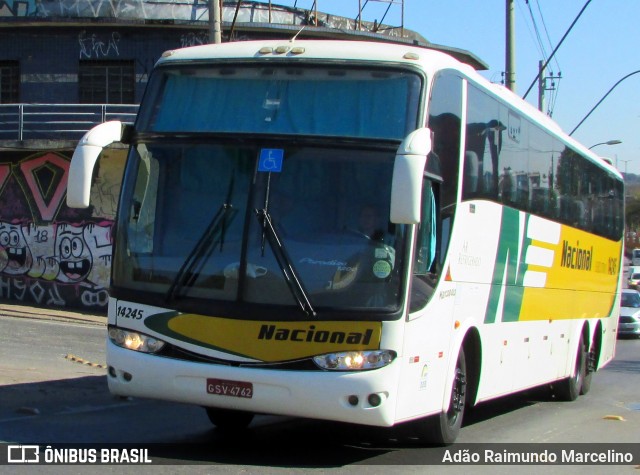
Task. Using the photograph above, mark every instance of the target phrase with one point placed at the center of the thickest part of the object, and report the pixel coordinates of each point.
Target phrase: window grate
(108, 82)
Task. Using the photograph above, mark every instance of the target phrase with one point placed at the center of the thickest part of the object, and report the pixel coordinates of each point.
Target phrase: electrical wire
(541, 47)
(554, 90)
(558, 46)
(544, 25)
(540, 43)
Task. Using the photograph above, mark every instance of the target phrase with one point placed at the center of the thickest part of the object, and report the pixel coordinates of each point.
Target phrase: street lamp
(608, 142)
(602, 99)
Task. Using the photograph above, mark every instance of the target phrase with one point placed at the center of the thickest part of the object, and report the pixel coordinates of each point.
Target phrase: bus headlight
(355, 360)
(134, 340)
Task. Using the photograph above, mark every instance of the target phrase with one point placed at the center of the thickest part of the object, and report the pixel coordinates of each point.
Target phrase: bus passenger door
(427, 337)
(423, 276)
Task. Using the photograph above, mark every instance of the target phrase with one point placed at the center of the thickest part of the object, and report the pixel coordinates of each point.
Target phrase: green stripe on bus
(508, 271)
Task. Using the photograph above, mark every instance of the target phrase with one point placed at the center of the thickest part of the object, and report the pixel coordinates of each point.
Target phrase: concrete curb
(23, 311)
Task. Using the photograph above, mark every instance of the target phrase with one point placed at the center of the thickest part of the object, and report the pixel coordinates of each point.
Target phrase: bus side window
(423, 278)
(471, 180)
(142, 224)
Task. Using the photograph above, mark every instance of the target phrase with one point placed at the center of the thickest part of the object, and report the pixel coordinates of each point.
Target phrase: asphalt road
(53, 390)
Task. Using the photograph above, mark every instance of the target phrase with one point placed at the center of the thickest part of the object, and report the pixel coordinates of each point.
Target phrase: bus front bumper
(366, 397)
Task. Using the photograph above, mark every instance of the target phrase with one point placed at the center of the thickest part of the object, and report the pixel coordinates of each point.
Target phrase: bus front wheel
(228, 419)
(445, 427)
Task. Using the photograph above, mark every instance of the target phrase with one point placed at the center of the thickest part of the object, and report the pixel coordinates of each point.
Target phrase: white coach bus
(352, 231)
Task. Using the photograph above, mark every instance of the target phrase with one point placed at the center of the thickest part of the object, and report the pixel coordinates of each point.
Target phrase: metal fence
(58, 121)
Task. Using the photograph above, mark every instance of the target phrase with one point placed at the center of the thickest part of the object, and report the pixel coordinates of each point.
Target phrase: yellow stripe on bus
(558, 304)
(581, 282)
(275, 341)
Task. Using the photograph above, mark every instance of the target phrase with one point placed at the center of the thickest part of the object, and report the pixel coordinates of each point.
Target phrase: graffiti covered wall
(191, 11)
(50, 254)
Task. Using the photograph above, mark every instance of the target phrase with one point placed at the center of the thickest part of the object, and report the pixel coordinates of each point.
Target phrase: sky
(602, 48)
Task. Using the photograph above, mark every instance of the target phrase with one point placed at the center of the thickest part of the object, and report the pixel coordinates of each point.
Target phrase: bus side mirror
(84, 159)
(408, 172)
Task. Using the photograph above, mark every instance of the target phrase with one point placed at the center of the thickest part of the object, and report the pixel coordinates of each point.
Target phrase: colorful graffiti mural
(50, 254)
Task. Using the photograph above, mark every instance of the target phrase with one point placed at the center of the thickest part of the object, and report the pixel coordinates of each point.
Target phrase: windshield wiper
(199, 255)
(192, 266)
(285, 263)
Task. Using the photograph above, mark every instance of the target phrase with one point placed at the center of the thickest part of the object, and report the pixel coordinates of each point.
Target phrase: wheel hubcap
(457, 395)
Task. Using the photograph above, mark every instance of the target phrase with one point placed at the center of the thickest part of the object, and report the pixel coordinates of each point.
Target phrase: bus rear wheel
(592, 364)
(570, 388)
(444, 428)
(228, 419)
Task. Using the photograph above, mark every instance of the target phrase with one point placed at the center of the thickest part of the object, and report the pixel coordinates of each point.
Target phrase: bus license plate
(225, 387)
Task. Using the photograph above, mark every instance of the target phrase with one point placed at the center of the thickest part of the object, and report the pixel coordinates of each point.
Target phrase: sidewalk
(8, 309)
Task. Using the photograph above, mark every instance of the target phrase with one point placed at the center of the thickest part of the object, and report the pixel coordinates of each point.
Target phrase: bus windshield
(329, 101)
(266, 186)
(252, 223)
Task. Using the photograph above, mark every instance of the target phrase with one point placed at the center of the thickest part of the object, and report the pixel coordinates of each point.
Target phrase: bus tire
(443, 428)
(590, 368)
(592, 359)
(570, 388)
(586, 383)
(228, 419)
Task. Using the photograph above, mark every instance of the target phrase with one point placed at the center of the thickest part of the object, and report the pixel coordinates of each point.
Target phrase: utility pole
(625, 165)
(510, 53)
(215, 31)
(541, 85)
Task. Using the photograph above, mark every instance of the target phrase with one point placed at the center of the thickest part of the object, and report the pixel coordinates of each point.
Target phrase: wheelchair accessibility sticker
(270, 160)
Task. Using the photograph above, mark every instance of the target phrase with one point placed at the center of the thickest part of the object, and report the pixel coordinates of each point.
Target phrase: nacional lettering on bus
(576, 257)
(312, 335)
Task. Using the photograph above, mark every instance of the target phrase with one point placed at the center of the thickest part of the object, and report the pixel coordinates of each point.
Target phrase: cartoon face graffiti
(15, 256)
(74, 254)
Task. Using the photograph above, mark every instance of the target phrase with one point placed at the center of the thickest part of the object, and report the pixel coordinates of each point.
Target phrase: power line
(544, 25)
(554, 90)
(535, 27)
(529, 29)
(557, 47)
